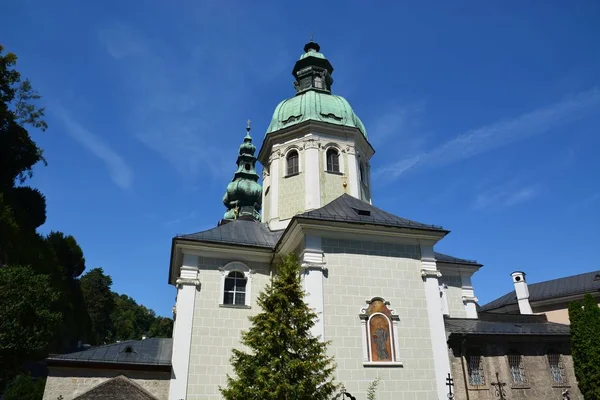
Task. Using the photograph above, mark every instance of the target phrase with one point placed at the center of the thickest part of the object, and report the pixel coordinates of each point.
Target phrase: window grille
(235, 289)
(475, 370)
(333, 160)
(556, 368)
(292, 163)
(517, 371)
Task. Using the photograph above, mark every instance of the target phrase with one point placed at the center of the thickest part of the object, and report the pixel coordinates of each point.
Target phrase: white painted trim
(383, 364)
(365, 347)
(312, 180)
(340, 156)
(313, 267)
(468, 295)
(353, 181)
(444, 299)
(187, 286)
(237, 266)
(275, 178)
(298, 149)
(392, 336)
(437, 330)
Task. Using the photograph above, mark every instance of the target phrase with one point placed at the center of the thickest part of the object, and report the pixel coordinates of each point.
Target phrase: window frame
(365, 324)
(516, 367)
(559, 367)
(288, 156)
(240, 267)
(334, 165)
(236, 276)
(340, 153)
(470, 356)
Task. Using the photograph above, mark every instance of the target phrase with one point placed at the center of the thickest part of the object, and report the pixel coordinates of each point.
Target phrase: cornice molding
(430, 273)
(180, 282)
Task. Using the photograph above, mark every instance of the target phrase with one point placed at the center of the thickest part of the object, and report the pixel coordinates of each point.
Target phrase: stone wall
(494, 349)
(72, 382)
(217, 329)
(359, 271)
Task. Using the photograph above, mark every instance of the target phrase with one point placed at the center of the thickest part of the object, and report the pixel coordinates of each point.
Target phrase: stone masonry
(72, 382)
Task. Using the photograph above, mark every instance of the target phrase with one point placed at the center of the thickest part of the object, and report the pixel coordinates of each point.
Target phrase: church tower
(315, 148)
(243, 195)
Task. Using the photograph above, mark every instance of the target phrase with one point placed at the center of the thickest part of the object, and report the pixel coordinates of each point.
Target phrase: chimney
(522, 292)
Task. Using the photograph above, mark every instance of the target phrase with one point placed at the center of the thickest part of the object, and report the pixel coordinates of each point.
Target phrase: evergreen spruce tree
(585, 345)
(284, 360)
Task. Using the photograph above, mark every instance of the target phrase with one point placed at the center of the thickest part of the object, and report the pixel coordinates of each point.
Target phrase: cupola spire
(312, 71)
(244, 194)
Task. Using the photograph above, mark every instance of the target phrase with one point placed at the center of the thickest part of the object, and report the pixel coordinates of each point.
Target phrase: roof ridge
(565, 277)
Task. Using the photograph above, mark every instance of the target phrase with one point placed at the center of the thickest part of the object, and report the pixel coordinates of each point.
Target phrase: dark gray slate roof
(588, 282)
(445, 258)
(151, 351)
(241, 232)
(118, 388)
(479, 327)
(350, 209)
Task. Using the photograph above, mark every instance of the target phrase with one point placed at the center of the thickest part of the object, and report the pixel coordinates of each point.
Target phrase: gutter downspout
(462, 361)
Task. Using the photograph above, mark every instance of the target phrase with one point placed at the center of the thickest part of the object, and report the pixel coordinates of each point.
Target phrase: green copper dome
(313, 99)
(243, 197)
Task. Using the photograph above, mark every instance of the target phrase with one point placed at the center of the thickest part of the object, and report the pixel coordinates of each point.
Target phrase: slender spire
(244, 194)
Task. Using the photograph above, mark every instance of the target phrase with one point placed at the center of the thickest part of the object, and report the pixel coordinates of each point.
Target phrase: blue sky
(485, 117)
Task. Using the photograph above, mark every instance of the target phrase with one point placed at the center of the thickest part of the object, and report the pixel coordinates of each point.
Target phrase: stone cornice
(180, 282)
(430, 273)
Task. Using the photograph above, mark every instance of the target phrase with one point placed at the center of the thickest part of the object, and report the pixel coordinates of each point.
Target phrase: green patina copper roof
(316, 106)
(243, 197)
(313, 99)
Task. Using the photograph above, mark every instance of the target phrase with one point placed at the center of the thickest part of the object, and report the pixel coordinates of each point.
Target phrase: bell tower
(315, 148)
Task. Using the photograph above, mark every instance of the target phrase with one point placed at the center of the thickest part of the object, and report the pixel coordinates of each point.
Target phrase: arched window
(235, 289)
(380, 333)
(292, 163)
(236, 282)
(517, 370)
(333, 160)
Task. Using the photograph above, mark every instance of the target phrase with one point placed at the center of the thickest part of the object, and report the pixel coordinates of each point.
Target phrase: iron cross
(450, 384)
(499, 388)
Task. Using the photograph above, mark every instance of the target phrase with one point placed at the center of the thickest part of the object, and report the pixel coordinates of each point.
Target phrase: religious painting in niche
(380, 338)
(378, 323)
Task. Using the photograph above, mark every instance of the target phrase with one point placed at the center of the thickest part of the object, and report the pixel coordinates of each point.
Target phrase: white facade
(379, 292)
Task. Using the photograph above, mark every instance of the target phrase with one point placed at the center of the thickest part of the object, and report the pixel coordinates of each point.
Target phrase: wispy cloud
(586, 202)
(119, 170)
(182, 110)
(507, 195)
(499, 134)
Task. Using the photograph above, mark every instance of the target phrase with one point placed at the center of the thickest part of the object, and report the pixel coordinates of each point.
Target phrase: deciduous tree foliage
(42, 305)
(27, 322)
(585, 345)
(284, 360)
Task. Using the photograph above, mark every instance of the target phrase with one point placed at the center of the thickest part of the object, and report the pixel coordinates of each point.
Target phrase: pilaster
(430, 275)
(353, 180)
(274, 162)
(312, 191)
(313, 268)
(468, 295)
(187, 286)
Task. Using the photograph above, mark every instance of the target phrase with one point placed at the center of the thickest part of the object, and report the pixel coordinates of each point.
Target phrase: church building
(392, 307)
(379, 288)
